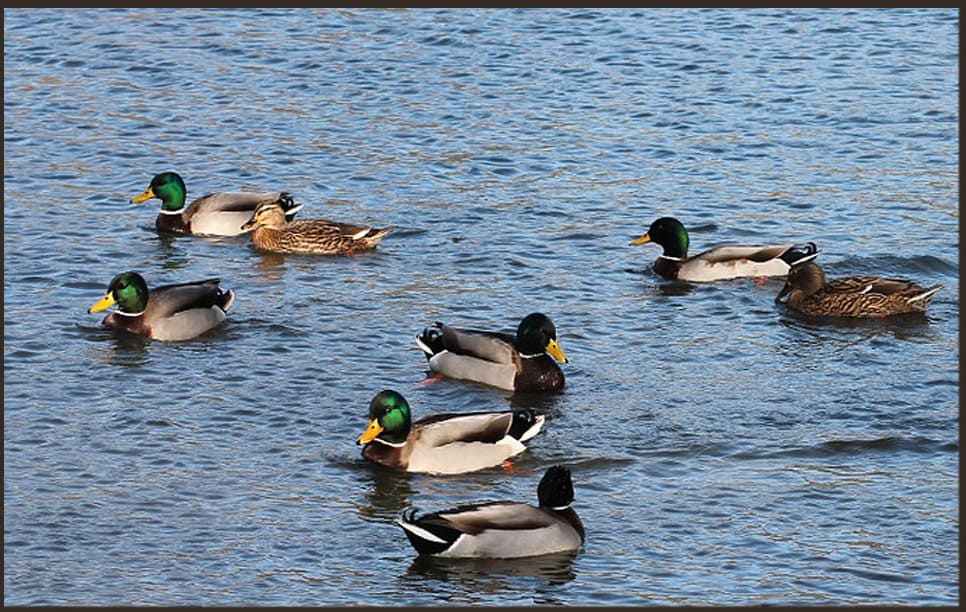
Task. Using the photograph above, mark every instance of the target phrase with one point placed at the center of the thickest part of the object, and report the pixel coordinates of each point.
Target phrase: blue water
(724, 451)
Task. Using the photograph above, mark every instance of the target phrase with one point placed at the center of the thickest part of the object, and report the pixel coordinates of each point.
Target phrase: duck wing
(169, 300)
(446, 526)
(239, 201)
(477, 518)
(858, 285)
(441, 429)
(490, 346)
(731, 253)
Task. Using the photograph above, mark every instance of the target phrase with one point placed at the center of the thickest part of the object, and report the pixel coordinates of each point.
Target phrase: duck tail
(526, 424)
(431, 340)
(289, 205)
(925, 296)
(374, 236)
(799, 254)
(226, 299)
(427, 535)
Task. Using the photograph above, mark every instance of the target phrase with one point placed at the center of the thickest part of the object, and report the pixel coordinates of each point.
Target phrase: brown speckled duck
(808, 292)
(170, 312)
(215, 214)
(272, 234)
(443, 443)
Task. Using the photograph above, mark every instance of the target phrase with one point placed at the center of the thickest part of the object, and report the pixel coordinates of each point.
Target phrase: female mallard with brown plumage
(271, 234)
(170, 312)
(808, 292)
(720, 263)
(215, 214)
(503, 529)
(443, 443)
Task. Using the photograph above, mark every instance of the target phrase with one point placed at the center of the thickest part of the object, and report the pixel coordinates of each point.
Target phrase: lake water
(724, 451)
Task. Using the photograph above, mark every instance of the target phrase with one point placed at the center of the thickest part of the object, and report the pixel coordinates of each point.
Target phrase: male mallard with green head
(502, 530)
(724, 262)
(522, 362)
(808, 292)
(215, 214)
(170, 312)
(443, 443)
(271, 234)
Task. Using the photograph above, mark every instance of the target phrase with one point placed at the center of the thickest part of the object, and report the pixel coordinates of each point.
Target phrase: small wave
(888, 444)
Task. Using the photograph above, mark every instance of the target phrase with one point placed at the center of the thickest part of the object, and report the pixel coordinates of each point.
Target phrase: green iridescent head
(537, 334)
(128, 290)
(670, 234)
(389, 418)
(167, 187)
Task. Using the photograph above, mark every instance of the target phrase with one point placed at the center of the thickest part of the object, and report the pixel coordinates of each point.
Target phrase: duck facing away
(272, 234)
(502, 530)
(720, 263)
(808, 292)
(523, 362)
(215, 214)
(170, 312)
(443, 443)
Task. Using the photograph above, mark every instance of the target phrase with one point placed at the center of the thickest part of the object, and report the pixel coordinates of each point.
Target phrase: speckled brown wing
(867, 296)
(311, 236)
(317, 236)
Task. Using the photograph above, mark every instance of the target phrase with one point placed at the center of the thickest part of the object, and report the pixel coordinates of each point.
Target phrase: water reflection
(271, 267)
(675, 288)
(168, 254)
(484, 574)
(387, 492)
(912, 326)
(117, 347)
(543, 403)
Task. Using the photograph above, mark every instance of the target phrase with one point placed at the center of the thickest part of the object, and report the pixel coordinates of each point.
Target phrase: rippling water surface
(723, 450)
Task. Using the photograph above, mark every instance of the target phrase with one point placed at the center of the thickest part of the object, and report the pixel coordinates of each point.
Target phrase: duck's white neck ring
(129, 314)
(388, 443)
(165, 211)
(559, 508)
(670, 258)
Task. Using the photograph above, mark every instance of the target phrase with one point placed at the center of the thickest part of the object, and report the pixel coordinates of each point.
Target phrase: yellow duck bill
(556, 352)
(103, 304)
(370, 433)
(641, 239)
(147, 195)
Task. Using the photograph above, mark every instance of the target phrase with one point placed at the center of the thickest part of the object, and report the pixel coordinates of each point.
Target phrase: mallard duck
(171, 312)
(724, 262)
(520, 362)
(443, 443)
(502, 530)
(271, 234)
(216, 214)
(808, 291)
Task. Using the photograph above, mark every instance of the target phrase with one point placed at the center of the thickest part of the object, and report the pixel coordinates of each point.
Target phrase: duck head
(167, 187)
(802, 281)
(269, 214)
(128, 290)
(536, 334)
(670, 234)
(389, 418)
(556, 489)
